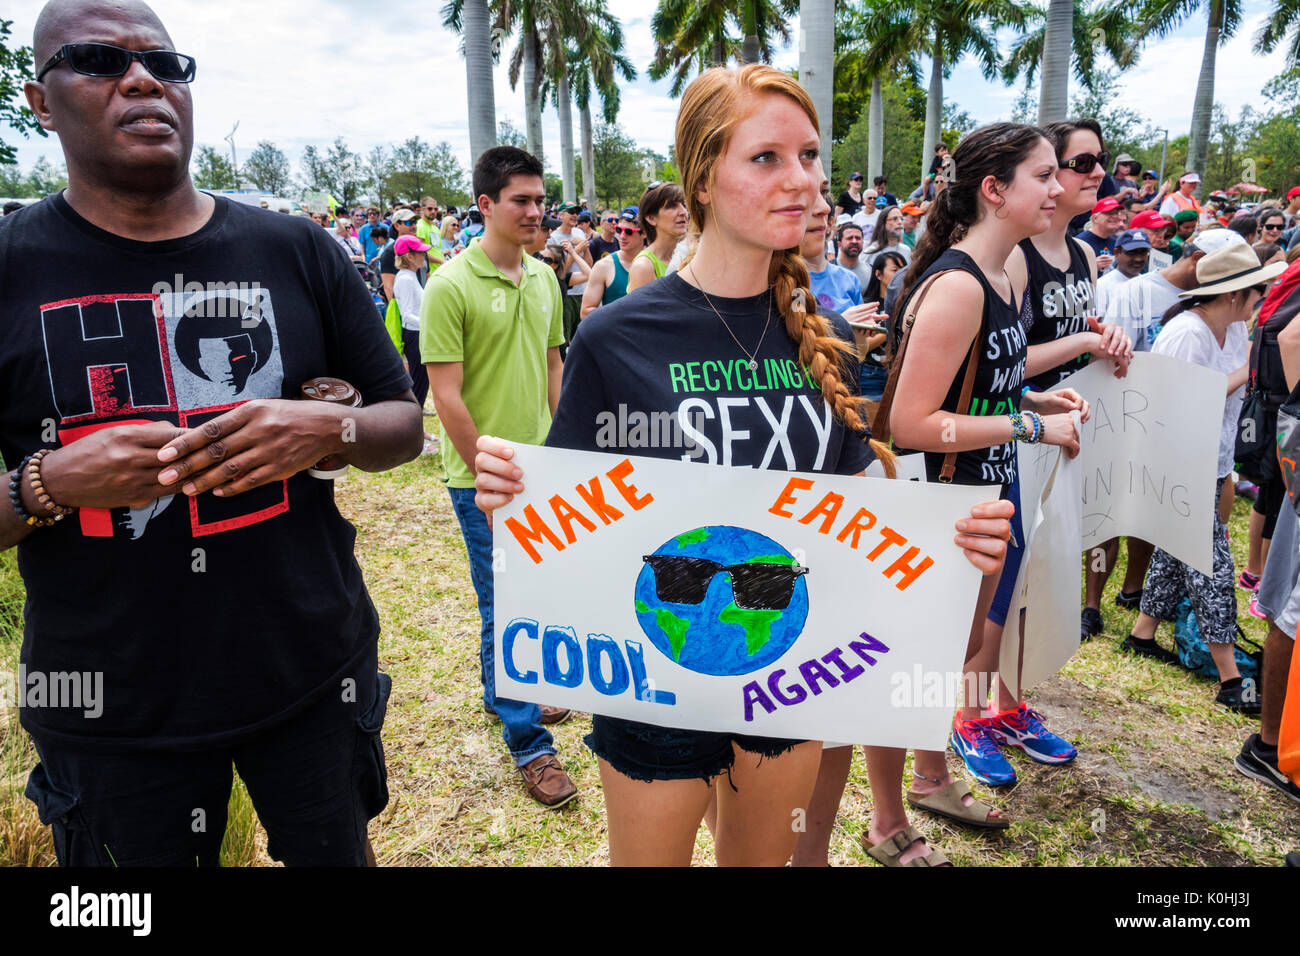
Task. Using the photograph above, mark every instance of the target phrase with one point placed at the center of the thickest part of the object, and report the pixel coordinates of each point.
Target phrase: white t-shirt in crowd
(901, 249)
(1107, 285)
(407, 292)
(575, 237)
(1187, 337)
(1139, 306)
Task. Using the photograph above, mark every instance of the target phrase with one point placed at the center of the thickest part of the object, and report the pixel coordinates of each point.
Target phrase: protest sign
(1150, 454)
(759, 602)
(1048, 582)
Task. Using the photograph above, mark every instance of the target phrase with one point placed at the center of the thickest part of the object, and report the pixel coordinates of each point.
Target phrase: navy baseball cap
(1132, 239)
(631, 212)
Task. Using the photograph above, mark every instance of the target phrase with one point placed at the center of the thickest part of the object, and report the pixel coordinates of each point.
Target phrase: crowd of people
(523, 323)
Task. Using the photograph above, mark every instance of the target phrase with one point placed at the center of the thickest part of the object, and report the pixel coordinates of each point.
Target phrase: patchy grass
(1153, 785)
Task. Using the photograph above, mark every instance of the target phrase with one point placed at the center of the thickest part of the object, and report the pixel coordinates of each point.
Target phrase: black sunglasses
(1085, 163)
(1271, 225)
(104, 59)
(756, 586)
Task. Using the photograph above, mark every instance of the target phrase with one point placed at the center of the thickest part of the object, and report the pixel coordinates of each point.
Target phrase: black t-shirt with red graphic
(207, 618)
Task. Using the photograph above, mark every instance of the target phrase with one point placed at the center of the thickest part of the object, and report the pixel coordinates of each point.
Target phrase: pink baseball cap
(407, 244)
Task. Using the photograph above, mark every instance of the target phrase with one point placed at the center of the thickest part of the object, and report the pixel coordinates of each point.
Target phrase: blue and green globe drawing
(712, 619)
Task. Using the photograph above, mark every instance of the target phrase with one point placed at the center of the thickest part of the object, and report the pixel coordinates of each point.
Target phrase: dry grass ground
(1153, 785)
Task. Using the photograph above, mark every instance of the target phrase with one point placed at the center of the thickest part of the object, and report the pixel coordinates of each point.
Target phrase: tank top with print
(1060, 303)
(999, 376)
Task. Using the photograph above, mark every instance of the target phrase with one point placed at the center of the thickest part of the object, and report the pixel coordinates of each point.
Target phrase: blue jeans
(522, 727)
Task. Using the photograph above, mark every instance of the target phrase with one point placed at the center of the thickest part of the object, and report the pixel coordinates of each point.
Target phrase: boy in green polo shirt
(491, 323)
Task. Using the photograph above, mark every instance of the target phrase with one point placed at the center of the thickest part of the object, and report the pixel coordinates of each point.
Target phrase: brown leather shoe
(555, 715)
(547, 782)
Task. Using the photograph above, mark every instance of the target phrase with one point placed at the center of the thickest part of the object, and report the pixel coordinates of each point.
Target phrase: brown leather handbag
(880, 427)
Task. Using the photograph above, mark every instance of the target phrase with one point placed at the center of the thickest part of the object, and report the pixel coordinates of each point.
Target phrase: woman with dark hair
(964, 305)
(663, 219)
(872, 339)
(887, 236)
(1064, 334)
(1232, 282)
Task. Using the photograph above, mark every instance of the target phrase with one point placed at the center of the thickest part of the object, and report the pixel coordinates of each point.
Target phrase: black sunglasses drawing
(757, 586)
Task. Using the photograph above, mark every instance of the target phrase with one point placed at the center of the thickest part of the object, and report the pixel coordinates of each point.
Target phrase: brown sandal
(889, 850)
(947, 802)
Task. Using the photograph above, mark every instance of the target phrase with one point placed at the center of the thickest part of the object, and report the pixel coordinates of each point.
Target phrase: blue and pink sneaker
(972, 741)
(1023, 728)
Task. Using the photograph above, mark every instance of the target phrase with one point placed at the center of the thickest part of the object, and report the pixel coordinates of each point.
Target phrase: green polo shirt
(472, 313)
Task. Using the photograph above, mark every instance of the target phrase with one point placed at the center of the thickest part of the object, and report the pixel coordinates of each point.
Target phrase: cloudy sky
(304, 71)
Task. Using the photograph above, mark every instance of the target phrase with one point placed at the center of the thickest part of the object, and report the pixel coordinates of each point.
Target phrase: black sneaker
(1090, 623)
(1254, 761)
(1126, 600)
(1233, 695)
(1149, 649)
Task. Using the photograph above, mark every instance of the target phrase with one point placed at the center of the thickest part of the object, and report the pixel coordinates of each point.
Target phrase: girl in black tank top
(1059, 304)
(999, 377)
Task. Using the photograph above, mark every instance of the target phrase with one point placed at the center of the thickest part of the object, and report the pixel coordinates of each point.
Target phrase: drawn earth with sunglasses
(722, 600)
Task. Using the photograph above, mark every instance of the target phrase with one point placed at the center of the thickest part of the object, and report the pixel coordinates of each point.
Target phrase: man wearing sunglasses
(235, 629)
(606, 243)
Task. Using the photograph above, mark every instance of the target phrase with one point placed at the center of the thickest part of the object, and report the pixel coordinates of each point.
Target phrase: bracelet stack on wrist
(1026, 427)
(31, 469)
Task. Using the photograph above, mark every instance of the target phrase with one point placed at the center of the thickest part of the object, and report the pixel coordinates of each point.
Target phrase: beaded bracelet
(38, 487)
(1019, 427)
(1038, 427)
(30, 466)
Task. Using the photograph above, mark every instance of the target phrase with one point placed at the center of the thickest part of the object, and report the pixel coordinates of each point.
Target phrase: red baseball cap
(1109, 204)
(1149, 219)
(1295, 191)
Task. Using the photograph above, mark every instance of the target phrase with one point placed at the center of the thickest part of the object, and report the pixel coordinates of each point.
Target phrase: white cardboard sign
(750, 601)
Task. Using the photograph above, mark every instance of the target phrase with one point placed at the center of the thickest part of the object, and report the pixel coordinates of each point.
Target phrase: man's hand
(109, 468)
(259, 442)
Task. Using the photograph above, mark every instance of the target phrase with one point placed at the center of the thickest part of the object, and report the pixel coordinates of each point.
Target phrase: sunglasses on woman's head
(756, 586)
(1085, 163)
(104, 59)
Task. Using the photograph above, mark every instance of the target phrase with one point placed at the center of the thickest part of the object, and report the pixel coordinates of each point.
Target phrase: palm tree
(1222, 17)
(593, 70)
(946, 30)
(1282, 24)
(1068, 32)
(472, 20)
(874, 43)
(692, 35)
(817, 65)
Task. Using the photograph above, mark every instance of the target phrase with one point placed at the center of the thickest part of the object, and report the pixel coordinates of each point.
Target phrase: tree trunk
(564, 103)
(532, 94)
(749, 18)
(1198, 140)
(719, 54)
(875, 132)
(817, 66)
(933, 110)
(1054, 72)
(588, 160)
(478, 77)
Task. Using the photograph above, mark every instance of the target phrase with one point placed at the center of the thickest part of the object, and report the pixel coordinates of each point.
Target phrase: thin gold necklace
(753, 361)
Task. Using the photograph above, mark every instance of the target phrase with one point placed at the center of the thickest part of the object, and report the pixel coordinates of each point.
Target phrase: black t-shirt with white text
(657, 374)
(1060, 303)
(208, 618)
